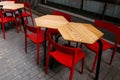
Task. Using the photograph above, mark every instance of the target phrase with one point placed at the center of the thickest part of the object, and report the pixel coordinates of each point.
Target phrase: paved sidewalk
(15, 64)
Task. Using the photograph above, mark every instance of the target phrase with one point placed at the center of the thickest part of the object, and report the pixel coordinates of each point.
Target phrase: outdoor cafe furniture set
(70, 31)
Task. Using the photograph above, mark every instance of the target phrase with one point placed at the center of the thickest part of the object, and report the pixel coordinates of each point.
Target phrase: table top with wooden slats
(50, 21)
(80, 32)
(2, 3)
(13, 6)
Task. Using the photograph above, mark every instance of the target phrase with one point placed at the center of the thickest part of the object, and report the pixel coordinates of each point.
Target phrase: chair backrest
(109, 27)
(27, 7)
(64, 49)
(33, 29)
(67, 16)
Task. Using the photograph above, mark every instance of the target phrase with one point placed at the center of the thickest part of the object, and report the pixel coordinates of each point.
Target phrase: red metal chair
(67, 16)
(6, 19)
(27, 12)
(36, 35)
(67, 56)
(106, 45)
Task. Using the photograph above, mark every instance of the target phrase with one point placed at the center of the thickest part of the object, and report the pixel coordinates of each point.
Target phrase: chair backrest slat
(67, 16)
(32, 29)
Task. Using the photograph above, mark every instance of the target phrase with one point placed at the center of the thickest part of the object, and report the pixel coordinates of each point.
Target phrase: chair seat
(7, 19)
(95, 47)
(33, 37)
(66, 59)
(25, 14)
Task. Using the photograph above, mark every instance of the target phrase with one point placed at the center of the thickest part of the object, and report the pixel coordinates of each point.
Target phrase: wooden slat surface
(79, 32)
(50, 21)
(6, 2)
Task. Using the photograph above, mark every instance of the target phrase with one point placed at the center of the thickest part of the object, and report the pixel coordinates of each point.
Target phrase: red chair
(106, 45)
(67, 56)
(27, 12)
(6, 19)
(36, 35)
(67, 16)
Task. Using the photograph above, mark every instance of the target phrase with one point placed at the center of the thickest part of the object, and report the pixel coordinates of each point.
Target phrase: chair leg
(82, 65)
(38, 54)
(25, 44)
(112, 57)
(71, 73)
(3, 30)
(94, 64)
(47, 62)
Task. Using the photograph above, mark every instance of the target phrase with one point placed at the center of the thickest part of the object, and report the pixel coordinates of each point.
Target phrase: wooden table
(84, 33)
(50, 21)
(6, 2)
(13, 6)
(16, 6)
(80, 32)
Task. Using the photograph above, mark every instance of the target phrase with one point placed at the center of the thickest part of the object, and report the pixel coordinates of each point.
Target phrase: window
(90, 8)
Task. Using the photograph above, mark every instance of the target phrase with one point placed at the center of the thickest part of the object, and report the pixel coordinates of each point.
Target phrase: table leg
(69, 43)
(45, 46)
(57, 37)
(99, 60)
(22, 19)
(76, 44)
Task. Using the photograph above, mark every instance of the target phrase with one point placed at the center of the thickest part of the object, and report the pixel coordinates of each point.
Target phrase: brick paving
(15, 64)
